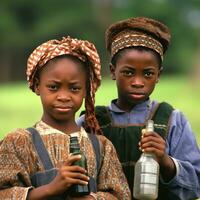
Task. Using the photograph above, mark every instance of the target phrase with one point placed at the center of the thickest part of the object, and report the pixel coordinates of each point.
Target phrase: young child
(137, 46)
(36, 163)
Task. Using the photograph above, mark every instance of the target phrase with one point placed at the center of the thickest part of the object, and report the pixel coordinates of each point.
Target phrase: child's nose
(137, 82)
(64, 96)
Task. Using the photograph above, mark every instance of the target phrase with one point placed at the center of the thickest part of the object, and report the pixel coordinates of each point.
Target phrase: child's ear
(36, 87)
(159, 74)
(112, 71)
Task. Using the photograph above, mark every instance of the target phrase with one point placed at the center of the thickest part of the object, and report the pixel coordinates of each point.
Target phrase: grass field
(19, 107)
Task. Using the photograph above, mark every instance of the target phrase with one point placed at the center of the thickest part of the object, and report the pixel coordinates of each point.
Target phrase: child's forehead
(63, 71)
(134, 55)
(67, 58)
(137, 52)
(68, 62)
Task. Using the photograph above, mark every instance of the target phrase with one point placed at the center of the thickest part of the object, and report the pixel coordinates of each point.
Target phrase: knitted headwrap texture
(138, 31)
(84, 51)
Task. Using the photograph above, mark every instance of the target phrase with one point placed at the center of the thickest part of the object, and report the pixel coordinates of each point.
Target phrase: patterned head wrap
(83, 50)
(139, 31)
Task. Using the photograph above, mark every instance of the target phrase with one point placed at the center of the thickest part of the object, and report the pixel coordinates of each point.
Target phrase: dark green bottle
(78, 190)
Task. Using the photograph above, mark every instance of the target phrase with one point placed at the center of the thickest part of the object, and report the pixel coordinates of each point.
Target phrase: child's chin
(138, 101)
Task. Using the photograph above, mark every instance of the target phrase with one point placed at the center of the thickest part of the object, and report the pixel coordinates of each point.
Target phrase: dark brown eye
(127, 73)
(149, 73)
(75, 88)
(53, 87)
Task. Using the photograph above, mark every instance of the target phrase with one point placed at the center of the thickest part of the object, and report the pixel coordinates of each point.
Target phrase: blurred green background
(26, 24)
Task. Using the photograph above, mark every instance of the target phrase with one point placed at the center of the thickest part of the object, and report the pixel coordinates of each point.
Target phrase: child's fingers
(152, 137)
(154, 148)
(80, 176)
(143, 131)
(148, 137)
(75, 176)
(72, 168)
(69, 175)
(153, 141)
(152, 144)
(157, 152)
(71, 159)
(85, 197)
(78, 182)
(71, 178)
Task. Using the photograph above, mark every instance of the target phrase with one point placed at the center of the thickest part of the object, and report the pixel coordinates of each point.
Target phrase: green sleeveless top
(126, 138)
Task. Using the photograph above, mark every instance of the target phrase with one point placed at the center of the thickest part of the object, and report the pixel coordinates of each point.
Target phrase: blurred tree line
(26, 24)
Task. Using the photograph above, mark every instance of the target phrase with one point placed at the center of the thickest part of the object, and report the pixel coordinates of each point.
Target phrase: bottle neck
(75, 150)
(74, 145)
(148, 155)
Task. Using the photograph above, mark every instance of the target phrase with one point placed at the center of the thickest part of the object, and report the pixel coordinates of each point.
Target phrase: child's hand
(151, 142)
(67, 176)
(87, 197)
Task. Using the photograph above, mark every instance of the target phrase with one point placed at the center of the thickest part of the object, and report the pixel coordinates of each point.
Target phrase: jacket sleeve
(112, 183)
(15, 167)
(183, 148)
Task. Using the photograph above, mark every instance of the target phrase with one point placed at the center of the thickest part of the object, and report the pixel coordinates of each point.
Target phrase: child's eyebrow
(131, 67)
(74, 82)
(53, 80)
(149, 68)
(59, 82)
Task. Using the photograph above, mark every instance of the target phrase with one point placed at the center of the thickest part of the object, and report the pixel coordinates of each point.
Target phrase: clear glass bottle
(78, 190)
(146, 177)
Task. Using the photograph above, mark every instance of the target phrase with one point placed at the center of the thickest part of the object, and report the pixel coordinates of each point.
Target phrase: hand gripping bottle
(78, 190)
(146, 174)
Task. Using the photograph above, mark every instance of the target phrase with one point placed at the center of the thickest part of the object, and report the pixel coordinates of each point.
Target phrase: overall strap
(103, 115)
(40, 148)
(97, 149)
(161, 116)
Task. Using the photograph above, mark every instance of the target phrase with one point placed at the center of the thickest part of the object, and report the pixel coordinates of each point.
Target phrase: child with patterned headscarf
(35, 163)
(136, 47)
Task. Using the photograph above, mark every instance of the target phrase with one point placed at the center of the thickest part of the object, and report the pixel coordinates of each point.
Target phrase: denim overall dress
(50, 172)
(126, 138)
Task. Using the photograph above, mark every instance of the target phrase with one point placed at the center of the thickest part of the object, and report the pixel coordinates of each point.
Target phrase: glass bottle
(146, 177)
(78, 190)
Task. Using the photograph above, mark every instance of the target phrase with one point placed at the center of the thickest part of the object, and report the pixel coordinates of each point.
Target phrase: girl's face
(62, 87)
(136, 73)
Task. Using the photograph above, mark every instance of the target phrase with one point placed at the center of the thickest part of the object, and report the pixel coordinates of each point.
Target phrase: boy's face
(62, 87)
(136, 73)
